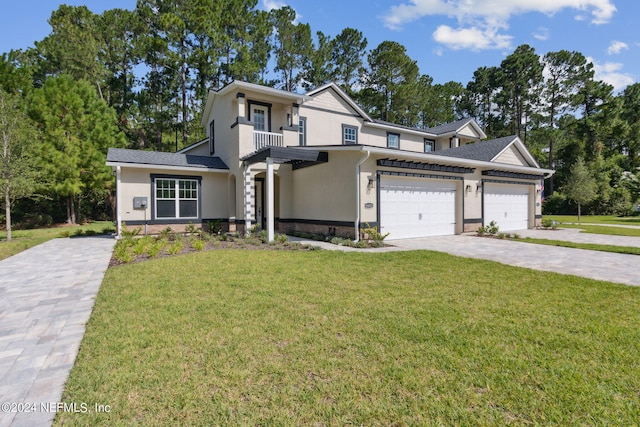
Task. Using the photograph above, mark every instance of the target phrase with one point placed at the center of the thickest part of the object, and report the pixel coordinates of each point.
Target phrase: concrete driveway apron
(612, 267)
(46, 297)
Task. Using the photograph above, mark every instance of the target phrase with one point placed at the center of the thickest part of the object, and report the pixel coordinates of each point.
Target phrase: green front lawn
(631, 250)
(25, 239)
(605, 229)
(236, 337)
(596, 219)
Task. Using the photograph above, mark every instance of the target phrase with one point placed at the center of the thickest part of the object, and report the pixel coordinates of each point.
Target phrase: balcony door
(260, 115)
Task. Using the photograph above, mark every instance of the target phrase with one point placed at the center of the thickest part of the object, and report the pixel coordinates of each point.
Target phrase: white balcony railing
(263, 139)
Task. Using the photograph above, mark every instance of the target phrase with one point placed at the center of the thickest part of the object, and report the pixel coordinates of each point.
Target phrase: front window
(349, 135)
(176, 198)
(393, 140)
(429, 145)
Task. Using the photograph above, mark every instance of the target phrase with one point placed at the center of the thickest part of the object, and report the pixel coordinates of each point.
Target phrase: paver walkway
(46, 297)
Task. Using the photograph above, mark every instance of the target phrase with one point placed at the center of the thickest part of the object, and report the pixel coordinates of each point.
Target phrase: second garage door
(507, 205)
(417, 207)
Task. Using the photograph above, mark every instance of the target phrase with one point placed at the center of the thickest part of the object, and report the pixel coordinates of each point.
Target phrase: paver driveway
(46, 297)
(612, 267)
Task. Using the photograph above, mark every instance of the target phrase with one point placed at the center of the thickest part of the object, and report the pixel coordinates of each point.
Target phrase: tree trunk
(7, 213)
(578, 212)
(71, 211)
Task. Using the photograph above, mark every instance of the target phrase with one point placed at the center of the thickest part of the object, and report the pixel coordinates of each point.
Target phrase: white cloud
(616, 47)
(542, 34)
(272, 4)
(485, 18)
(277, 4)
(471, 38)
(610, 72)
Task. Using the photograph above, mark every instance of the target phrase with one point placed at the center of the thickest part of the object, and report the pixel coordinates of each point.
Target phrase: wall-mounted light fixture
(372, 182)
(538, 190)
(478, 187)
(468, 188)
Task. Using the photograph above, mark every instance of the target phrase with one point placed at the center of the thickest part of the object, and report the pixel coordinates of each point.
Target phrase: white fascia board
(401, 129)
(165, 167)
(207, 108)
(521, 149)
(265, 90)
(425, 157)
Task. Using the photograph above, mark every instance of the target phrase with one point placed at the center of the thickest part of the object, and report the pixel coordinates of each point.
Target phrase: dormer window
(429, 145)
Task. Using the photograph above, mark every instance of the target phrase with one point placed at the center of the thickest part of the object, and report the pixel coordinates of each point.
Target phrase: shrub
(125, 232)
(175, 247)
(190, 228)
(493, 228)
(215, 227)
(282, 238)
(167, 234)
(198, 244)
(372, 233)
(549, 223)
(154, 249)
(122, 253)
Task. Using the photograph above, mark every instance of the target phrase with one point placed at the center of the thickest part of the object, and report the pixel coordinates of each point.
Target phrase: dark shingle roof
(484, 150)
(120, 155)
(448, 127)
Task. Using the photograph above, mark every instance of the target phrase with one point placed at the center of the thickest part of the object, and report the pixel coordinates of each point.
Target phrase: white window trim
(395, 134)
(344, 135)
(176, 198)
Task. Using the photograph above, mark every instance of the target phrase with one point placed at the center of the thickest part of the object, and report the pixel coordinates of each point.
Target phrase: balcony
(263, 139)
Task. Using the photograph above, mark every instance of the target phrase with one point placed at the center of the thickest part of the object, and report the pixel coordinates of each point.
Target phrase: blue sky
(449, 39)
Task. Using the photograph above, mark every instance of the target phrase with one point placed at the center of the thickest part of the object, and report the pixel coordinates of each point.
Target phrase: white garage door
(507, 205)
(417, 207)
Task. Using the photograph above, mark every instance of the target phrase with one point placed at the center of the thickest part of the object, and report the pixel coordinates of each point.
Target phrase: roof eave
(401, 129)
(438, 159)
(165, 167)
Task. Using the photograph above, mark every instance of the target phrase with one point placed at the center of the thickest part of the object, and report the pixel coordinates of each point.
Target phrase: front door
(261, 214)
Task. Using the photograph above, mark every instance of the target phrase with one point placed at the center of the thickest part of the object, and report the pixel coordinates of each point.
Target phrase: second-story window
(302, 131)
(349, 135)
(393, 140)
(429, 145)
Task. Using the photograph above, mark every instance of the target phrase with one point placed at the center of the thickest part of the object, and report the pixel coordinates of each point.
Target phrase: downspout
(119, 202)
(357, 224)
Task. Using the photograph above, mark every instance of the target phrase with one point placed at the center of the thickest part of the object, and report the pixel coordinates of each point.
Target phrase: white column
(247, 198)
(118, 201)
(270, 203)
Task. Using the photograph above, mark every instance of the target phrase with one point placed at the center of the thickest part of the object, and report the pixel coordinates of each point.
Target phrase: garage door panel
(417, 207)
(507, 205)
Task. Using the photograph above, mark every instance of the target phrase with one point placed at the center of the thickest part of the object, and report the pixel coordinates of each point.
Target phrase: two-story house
(317, 162)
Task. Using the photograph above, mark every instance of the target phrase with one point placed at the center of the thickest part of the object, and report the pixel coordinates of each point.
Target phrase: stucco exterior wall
(136, 182)
(326, 191)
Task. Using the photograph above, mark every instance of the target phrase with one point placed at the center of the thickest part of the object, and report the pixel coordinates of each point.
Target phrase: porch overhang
(298, 158)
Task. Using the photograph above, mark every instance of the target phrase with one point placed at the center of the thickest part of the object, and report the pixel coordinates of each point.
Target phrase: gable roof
(455, 127)
(156, 158)
(342, 94)
(488, 151)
